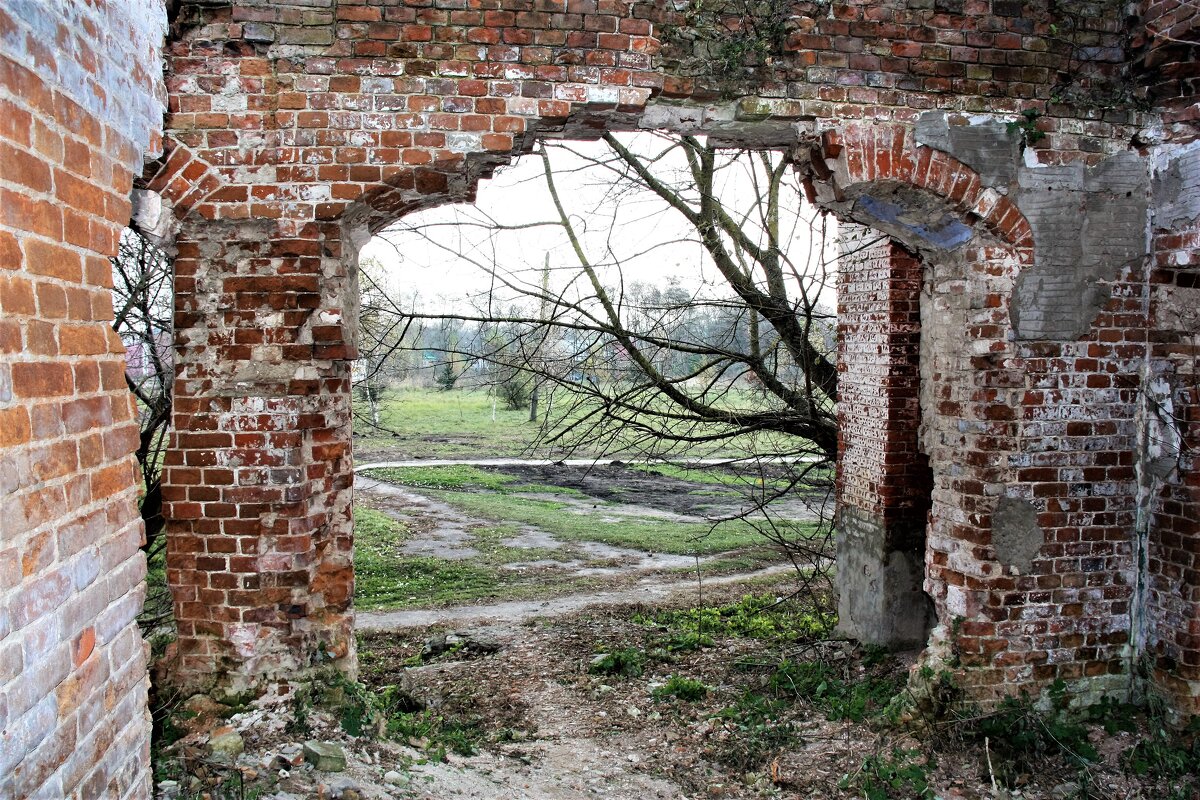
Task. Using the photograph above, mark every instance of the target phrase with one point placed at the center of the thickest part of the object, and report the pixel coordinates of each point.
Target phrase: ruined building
(1020, 405)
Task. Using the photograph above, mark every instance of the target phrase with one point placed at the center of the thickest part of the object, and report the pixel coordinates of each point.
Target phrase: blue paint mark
(946, 233)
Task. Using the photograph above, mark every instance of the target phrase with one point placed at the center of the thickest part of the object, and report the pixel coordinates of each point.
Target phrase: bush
(514, 393)
(687, 689)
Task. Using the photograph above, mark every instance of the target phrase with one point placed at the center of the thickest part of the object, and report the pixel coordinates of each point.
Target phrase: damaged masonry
(1020, 403)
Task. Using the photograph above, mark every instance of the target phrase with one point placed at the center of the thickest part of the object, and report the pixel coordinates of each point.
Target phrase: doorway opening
(589, 449)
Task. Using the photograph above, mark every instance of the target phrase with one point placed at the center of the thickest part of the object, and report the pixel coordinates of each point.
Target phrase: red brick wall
(881, 468)
(258, 474)
(1171, 429)
(295, 131)
(77, 109)
(883, 478)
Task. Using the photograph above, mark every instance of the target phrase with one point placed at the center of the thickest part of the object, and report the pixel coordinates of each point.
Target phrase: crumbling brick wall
(296, 130)
(1169, 429)
(80, 91)
(884, 484)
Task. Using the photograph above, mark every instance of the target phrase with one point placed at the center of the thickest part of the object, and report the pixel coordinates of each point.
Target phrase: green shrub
(686, 689)
(627, 663)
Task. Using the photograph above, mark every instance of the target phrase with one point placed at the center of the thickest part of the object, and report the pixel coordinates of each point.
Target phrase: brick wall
(79, 88)
(883, 477)
(296, 129)
(1170, 426)
(258, 473)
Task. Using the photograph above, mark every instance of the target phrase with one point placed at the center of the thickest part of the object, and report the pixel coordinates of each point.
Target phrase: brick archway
(338, 134)
(258, 479)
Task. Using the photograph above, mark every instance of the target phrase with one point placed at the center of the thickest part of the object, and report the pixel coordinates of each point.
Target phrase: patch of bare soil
(650, 492)
(568, 731)
(522, 711)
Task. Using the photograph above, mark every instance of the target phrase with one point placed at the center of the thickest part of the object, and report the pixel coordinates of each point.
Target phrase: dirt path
(568, 462)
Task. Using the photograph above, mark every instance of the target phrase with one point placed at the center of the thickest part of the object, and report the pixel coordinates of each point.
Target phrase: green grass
(463, 416)
(640, 533)
(463, 420)
(464, 477)
(708, 475)
(386, 579)
(759, 616)
(455, 477)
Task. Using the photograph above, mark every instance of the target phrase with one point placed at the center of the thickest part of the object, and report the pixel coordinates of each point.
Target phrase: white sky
(651, 242)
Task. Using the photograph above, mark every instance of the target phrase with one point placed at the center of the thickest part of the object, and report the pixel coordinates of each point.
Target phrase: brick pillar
(1169, 432)
(258, 475)
(883, 480)
(77, 112)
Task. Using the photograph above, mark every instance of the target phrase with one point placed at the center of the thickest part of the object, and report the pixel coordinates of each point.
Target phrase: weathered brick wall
(1169, 466)
(883, 478)
(258, 474)
(297, 128)
(79, 104)
(1166, 59)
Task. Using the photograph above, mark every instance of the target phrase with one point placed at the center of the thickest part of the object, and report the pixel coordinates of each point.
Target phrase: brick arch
(288, 251)
(856, 156)
(970, 381)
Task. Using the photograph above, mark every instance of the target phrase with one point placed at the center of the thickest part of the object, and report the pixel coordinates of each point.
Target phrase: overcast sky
(446, 254)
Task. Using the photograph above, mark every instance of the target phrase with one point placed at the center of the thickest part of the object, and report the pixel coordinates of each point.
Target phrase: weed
(1023, 737)
(759, 729)
(359, 710)
(754, 616)
(687, 689)
(627, 663)
(436, 734)
(821, 685)
(902, 774)
(1167, 753)
(1026, 127)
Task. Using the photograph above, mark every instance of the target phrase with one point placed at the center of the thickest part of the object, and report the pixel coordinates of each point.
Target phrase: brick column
(77, 112)
(1169, 430)
(883, 480)
(257, 479)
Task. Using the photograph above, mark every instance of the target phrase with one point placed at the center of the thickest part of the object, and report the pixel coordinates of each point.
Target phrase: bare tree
(736, 364)
(142, 316)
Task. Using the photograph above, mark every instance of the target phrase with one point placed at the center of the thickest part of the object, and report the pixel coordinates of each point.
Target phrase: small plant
(902, 774)
(437, 735)
(627, 663)
(689, 690)
(1026, 127)
(821, 685)
(1167, 753)
(759, 729)
(1023, 737)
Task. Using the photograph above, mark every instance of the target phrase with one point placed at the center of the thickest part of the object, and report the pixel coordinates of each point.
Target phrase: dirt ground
(505, 699)
(547, 726)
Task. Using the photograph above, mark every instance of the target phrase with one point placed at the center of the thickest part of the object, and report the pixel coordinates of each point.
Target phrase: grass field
(456, 424)
(466, 423)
